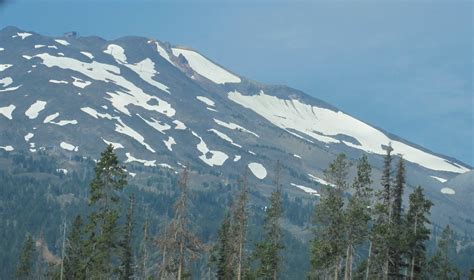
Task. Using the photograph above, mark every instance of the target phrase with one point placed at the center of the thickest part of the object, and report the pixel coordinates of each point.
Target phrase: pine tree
(223, 250)
(239, 225)
(74, 252)
(127, 254)
(417, 232)
(357, 215)
(268, 250)
(102, 242)
(397, 244)
(328, 246)
(144, 255)
(179, 245)
(379, 253)
(25, 262)
(441, 266)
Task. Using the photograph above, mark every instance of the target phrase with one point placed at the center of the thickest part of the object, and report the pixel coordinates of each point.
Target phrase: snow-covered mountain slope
(162, 106)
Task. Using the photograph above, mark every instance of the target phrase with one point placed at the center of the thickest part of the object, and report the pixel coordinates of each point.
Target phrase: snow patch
(7, 111)
(35, 109)
(117, 52)
(62, 170)
(10, 89)
(156, 124)
(133, 95)
(206, 68)
(65, 122)
(324, 125)
(448, 191)
(93, 113)
(6, 81)
(115, 145)
(80, 83)
(320, 181)
(51, 117)
(7, 148)
(62, 42)
(237, 158)
(306, 189)
(122, 128)
(88, 54)
(39, 46)
(146, 70)
(296, 156)
(258, 170)
(179, 125)
(4, 67)
(29, 136)
(234, 126)
(69, 147)
(131, 158)
(442, 180)
(216, 157)
(163, 53)
(23, 35)
(58, 82)
(206, 101)
(170, 142)
(224, 137)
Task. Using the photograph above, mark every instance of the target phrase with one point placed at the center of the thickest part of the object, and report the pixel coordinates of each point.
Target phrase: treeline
(366, 235)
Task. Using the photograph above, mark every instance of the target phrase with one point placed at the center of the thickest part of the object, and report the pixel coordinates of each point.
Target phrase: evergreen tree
(357, 215)
(441, 266)
(239, 225)
(328, 246)
(25, 263)
(379, 253)
(222, 251)
(127, 254)
(74, 252)
(179, 245)
(417, 233)
(397, 244)
(102, 242)
(268, 250)
(144, 255)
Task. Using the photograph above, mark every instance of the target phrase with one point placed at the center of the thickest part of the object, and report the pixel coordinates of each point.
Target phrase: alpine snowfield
(326, 125)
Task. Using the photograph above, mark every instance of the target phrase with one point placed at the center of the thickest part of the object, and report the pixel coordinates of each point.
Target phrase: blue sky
(405, 66)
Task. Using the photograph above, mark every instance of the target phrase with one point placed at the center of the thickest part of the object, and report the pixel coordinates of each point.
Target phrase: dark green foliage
(441, 266)
(127, 262)
(381, 235)
(101, 237)
(73, 268)
(222, 252)
(268, 251)
(397, 243)
(357, 214)
(417, 233)
(328, 246)
(25, 266)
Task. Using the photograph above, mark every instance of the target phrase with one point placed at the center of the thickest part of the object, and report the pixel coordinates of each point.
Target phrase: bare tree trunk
(181, 261)
(63, 250)
(351, 262)
(346, 270)
(336, 270)
(367, 270)
(239, 265)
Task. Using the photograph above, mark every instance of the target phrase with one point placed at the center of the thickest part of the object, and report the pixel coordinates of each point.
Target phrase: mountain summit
(163, 106)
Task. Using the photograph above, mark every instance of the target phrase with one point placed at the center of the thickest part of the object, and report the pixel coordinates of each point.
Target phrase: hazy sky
(404, 66)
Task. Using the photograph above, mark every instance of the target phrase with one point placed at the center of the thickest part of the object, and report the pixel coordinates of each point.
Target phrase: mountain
(164, 106)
